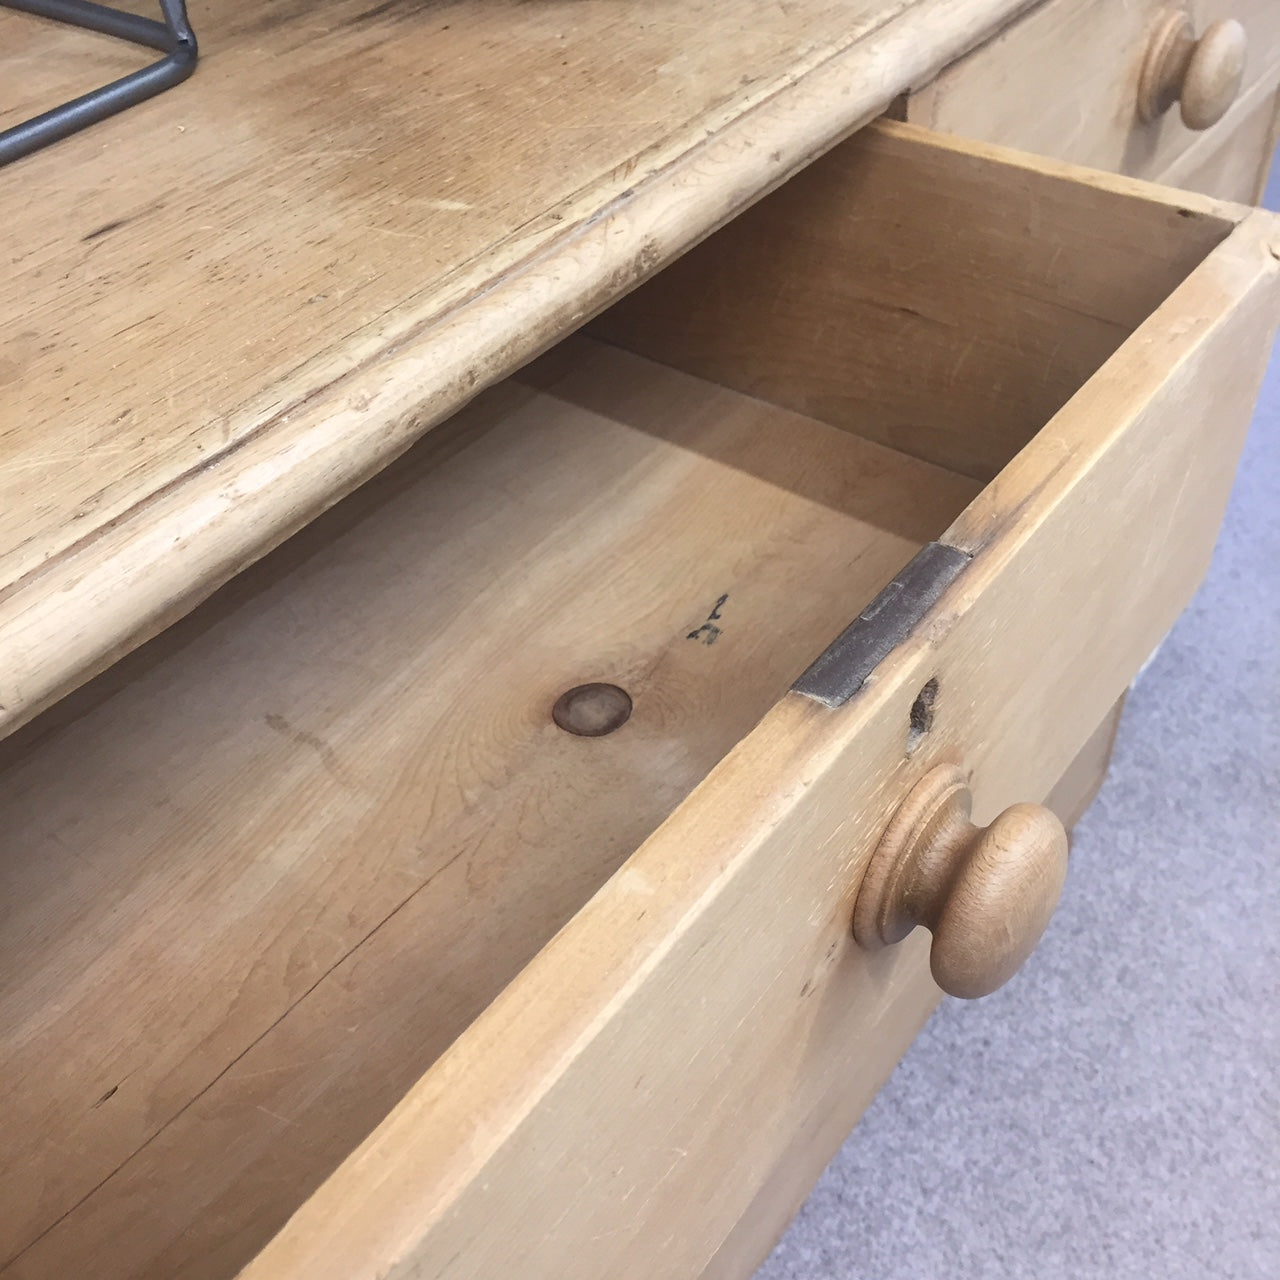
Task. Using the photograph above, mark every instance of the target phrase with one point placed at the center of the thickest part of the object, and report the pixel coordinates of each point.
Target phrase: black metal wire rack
(173, 37)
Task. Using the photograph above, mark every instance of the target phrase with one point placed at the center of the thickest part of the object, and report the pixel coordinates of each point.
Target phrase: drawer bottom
(262, 875)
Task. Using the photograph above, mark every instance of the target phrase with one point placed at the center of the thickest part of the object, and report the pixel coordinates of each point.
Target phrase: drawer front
(1064, 81)
(1234, 167)
(617, 1109)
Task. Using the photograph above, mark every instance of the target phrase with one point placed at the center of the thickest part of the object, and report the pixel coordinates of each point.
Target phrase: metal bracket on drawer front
(843, 668)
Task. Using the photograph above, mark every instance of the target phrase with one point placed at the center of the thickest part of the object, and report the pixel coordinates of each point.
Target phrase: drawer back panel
(932, 298)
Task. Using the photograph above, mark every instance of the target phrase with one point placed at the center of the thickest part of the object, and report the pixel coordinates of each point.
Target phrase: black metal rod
(175, 16)
(174, 37)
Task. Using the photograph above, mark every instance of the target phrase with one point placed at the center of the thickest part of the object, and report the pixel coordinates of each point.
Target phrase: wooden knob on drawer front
(1203, 75)
(986, 894)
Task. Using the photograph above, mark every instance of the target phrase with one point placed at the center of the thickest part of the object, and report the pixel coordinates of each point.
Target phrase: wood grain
(283, 860)
(956, 347)
(229, 306)
(722, 1004)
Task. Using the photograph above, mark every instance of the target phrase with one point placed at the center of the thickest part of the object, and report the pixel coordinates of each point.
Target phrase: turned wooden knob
(986, 894)
(1202, 75)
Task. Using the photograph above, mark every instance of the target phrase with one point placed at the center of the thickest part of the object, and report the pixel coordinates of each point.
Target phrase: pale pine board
(1079, 62)
(229, 306)
(642, 1078)
(279, 863)
(936, 295)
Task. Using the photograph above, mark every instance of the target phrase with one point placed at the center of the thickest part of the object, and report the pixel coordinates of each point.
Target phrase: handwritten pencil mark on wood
(709, 633)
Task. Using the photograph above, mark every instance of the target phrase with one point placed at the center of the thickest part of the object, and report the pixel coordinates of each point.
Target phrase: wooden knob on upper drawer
(1202, 75)
(986, 894)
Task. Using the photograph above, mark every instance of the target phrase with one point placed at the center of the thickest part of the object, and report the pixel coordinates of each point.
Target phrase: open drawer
(322, 938)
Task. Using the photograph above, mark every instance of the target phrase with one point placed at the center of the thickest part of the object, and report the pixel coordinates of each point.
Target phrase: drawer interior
(259, 875)
(926, 296)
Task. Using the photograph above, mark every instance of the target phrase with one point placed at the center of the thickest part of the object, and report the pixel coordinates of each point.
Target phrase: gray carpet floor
(1115, 1111)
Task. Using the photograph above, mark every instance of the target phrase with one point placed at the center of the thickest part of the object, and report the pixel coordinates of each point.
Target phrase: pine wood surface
(708, 1005)
(229, 306)
(1065, 81)
(273, 870)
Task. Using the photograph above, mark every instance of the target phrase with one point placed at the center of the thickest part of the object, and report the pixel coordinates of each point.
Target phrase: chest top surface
(226, 307)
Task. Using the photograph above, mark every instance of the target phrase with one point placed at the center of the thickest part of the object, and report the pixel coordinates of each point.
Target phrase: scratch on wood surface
(404, 235)
(292, 1064)
(293, 1124)
(962, 359)
(63, 457)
